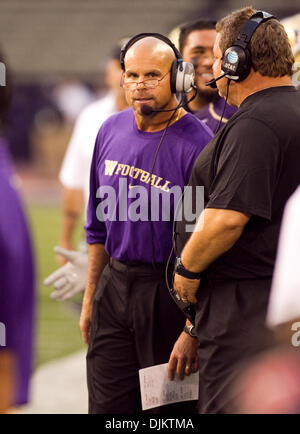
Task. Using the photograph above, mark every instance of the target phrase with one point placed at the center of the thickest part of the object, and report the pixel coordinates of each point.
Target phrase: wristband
(179, 269)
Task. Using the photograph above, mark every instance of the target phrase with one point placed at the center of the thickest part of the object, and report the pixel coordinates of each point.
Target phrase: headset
(236, 61)
(182, 73)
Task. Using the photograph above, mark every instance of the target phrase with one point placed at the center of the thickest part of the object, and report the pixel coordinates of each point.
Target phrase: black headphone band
(250, 26)
(145, 35)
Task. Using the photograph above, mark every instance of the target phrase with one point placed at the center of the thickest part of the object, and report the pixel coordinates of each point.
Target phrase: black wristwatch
(190, 330)
(179, 269)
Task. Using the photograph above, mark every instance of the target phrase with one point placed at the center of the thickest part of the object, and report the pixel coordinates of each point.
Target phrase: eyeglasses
(150, 83)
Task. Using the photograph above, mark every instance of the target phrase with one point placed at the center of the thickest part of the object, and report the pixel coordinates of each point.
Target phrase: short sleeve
(94, 228)
(247, 170)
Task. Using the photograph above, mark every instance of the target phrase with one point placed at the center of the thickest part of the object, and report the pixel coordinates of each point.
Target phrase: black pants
(230, 325)
(135, 323)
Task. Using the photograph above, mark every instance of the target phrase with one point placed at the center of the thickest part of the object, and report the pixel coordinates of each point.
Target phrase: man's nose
(208, 60)
(141, 82)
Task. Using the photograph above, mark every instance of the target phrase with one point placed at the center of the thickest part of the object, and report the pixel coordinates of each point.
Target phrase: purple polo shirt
(121, 166)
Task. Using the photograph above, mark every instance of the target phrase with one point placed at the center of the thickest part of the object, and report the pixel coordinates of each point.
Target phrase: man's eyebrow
(152, 71)
(200, 47)
(129, 71)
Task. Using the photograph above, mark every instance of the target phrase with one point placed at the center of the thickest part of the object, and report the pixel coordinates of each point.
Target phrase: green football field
(57, 331)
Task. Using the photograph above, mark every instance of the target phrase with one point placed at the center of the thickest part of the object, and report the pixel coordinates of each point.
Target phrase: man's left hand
(186, 288)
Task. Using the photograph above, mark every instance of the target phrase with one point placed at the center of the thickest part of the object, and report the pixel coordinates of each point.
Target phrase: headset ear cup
(188, 78)
(245, 66)
(182, 76)
(173, 78)
(236, 63)
(224, 61)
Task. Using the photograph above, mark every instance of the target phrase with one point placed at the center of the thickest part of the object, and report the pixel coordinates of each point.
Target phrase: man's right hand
(85, 321)
(183, 359)
(98, 258)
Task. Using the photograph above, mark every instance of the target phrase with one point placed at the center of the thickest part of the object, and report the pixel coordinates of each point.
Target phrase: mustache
(141, 98)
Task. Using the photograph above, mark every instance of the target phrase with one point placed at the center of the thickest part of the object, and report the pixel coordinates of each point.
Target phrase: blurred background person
(196, 41)
(75, 171)
(74, 176)
(271, 382)
(16, 279)
(71, 97)
(284, 303)
(292, 28)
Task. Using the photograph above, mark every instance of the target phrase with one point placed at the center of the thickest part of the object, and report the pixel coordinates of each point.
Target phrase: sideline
(59, 387)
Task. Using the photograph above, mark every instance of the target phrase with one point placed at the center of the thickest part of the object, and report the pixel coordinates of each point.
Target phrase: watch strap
(179, 269)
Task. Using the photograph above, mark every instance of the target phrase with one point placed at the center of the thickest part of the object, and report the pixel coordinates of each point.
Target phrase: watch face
(192, 331)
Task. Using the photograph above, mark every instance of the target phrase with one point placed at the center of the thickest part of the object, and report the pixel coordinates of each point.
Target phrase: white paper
(157, 389)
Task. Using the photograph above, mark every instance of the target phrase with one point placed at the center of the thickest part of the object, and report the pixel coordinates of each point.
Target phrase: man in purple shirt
(196, 41)
(129, 320)
(16, 281)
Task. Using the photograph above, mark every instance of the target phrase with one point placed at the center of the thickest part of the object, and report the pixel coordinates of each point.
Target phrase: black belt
(137, 267)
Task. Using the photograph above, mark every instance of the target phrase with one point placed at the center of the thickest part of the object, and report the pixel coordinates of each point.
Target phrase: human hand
(183, 359)
(60, 257)
(85, 321)
(186, 288)
(71, 278)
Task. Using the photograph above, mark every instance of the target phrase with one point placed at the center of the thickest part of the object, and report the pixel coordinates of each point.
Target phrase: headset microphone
(212, 83)
(146, 110)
